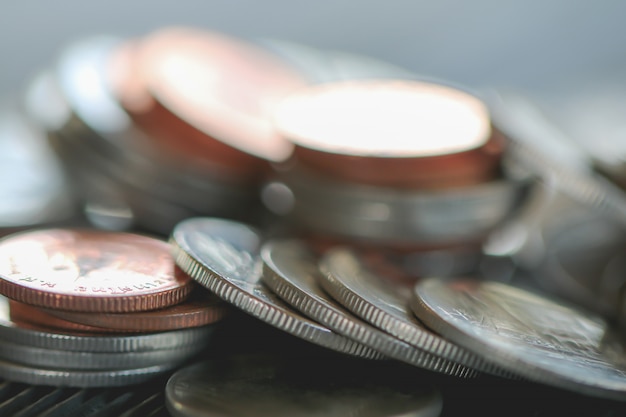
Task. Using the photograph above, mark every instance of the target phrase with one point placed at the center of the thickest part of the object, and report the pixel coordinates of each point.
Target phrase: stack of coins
(89, 308)
(160, 128)
(414, 166)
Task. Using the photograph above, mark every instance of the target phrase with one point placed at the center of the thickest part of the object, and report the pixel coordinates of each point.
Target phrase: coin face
(223, 256)
(530, 335)
(265, 386)
(90, 270)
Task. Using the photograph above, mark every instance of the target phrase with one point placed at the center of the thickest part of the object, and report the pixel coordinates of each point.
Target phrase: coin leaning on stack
(92, 308)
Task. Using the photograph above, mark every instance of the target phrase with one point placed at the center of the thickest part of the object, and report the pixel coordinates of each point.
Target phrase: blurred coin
(538, 338)
(325, 65)
(394, 133)
(223, 256)
(291, 271)
(33, 188)
(90, 271)
(198, 310)
(39, 336)
(212, 90)
(94, 361)
(384, 303)
(78, 378)
(258, 385)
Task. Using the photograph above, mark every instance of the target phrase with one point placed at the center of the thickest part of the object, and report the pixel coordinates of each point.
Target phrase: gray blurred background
(531, 44)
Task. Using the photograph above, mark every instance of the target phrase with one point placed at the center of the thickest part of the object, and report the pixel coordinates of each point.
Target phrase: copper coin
(206, 94)
(195, 312)
(28, 316)
(404, 134)
(90, 271)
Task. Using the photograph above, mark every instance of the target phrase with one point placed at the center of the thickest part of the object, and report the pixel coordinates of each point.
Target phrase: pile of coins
(345, 202)
(97, 308)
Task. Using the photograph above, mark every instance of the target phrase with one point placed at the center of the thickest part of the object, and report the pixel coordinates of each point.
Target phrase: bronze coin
(401, 134)
(195, 312)
(32, 317)
(205, 95)
(90, 271)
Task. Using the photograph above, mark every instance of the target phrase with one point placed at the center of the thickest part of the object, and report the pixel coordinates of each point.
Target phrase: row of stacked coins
(90, 308)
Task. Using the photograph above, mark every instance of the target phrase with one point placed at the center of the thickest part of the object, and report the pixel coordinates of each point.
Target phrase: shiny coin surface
(101, 361)
(197, 311)
(530, 335)
(257, 386)
(291, 271)
(39, 336)
(81, 379)
(90, 271)
(223, 256)
(385, 304)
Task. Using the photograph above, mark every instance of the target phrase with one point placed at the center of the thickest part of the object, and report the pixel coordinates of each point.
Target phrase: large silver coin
(73, 360)
(53, 339)
(260, 387)
(530, 335)
(223, 256)
(291, 271)
(80, 379)
(385, 303)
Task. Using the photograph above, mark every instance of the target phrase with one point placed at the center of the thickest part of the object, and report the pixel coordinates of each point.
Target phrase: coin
(95, 361)
(385, 304)
(291, 271)
(90, 271)
(541, 339)
(221, 105)
(265, 386)
(223, 256)
(78, 378)
(38, 336)
(393, 133)
(199, 310)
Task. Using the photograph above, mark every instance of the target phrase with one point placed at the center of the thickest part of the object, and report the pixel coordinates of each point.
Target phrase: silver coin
(385, 304)
(33, 188)
(259, 386)
(533, 139)
(74, 360)
(541, 339)
(80, 379)
(291, 271)
(223, 256)
(53, 339)
(383, 215)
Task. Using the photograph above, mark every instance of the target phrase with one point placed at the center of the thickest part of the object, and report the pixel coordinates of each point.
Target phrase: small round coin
(90, 271)
(260, 386)
(223, 256)
(541, 339)
(385, 304)
(291, 271)
(198, 310)
(80, 379)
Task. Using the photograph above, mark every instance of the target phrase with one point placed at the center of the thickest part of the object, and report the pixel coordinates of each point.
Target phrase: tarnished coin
(38, 336)
(385, 304)
(261, 386)
(291, 271)
(80, 379)
(90, 271)
(538, 338)
(102, 361)
(223, 256)
(197, 311)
